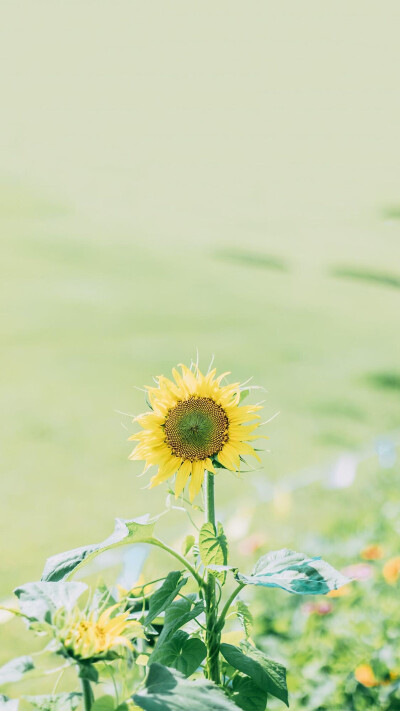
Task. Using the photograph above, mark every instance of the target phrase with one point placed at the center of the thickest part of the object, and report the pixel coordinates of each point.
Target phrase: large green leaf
(247, 695)
(165, 595)
(213, 547)
(39, 601)
(178, 614)
(168, 690)
(55, 702)
(181, 652)
(269, 676)
(15, 670)
(62, 565)
(294, 572)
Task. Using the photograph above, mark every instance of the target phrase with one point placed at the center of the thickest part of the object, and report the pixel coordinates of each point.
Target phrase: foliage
(163, 644)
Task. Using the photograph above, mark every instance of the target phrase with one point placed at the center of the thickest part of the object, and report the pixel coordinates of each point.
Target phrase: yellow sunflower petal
(165, 472)
(209, 466)
(196, 479)
(182, 477)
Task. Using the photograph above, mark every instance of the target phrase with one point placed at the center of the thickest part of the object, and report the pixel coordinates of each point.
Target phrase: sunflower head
(96, 635)
(195, 424)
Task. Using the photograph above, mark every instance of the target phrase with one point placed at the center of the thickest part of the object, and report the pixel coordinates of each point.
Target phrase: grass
(367, 275)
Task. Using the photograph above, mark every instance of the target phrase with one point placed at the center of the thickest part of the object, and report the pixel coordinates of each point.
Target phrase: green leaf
(188, 544)
(176, 616)
(88, 671)
(7, 704)
(182, 652)
(245, 617)
(165, 595)
(247, 695)
(168, 690)
(39, 601)
(55, 702)
(213, 547)
(294, 572)
(62, 565)
(267, 675)
(15, 670)
(104, 703)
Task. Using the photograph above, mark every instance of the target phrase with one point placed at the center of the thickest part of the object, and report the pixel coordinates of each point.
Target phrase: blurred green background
(180, 176)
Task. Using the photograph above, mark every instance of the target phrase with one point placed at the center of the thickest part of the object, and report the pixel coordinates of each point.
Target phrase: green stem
(213, 636)
(228, 604)
(185, 563)
(87, 694)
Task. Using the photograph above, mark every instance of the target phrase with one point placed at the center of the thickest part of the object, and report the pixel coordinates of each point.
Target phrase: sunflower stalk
(213, 633)
(87, 694)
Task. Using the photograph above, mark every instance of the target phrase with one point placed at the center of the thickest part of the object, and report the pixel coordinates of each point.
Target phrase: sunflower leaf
(247, 695)
(165, 595)
(267, 675)
(63, 565)
(39, 601)
(188, 544)
(182, 652)
(213, 548)
(168, 690)
(178, 614)
(245, 617)
(88, 671)
(294, 572)
(15, 670)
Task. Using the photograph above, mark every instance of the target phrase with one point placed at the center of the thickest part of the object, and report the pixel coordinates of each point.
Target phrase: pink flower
(358, 571)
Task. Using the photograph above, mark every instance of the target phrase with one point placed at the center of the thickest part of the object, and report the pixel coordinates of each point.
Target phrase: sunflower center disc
(196, 428)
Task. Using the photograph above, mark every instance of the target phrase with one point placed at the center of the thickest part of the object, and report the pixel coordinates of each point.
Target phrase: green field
(173, 185)
(89, 317)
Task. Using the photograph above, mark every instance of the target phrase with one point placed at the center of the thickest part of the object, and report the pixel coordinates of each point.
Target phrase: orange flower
(365, 675)
(391, 570)
(340, 592)
(251, 544)
(372, 552)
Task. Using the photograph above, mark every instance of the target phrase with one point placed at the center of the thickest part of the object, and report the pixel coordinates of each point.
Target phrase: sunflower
(196, 424)
(92, 636)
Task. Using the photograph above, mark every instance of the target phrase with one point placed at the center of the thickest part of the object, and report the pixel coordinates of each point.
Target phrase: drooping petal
(182, 477)
(165, 472)
(196, 479)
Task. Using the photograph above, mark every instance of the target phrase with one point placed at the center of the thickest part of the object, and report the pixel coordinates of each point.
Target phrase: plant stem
(185, 563)
(213, 635)
(87, 694)
(228, 604)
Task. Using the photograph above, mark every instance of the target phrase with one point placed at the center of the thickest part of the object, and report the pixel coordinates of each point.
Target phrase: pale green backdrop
(220, 176)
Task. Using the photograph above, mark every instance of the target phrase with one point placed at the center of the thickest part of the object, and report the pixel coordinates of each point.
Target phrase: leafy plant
(162, 642)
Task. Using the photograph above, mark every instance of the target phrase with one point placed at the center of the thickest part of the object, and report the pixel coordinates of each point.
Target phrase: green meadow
(89, 318)
(172, 189)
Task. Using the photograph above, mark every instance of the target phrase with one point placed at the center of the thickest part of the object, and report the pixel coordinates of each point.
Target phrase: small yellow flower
(365, 675)
(372, 552)
(88, 636)
(195, 424)
(391, 570)
(137, 590)
(340, 592)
